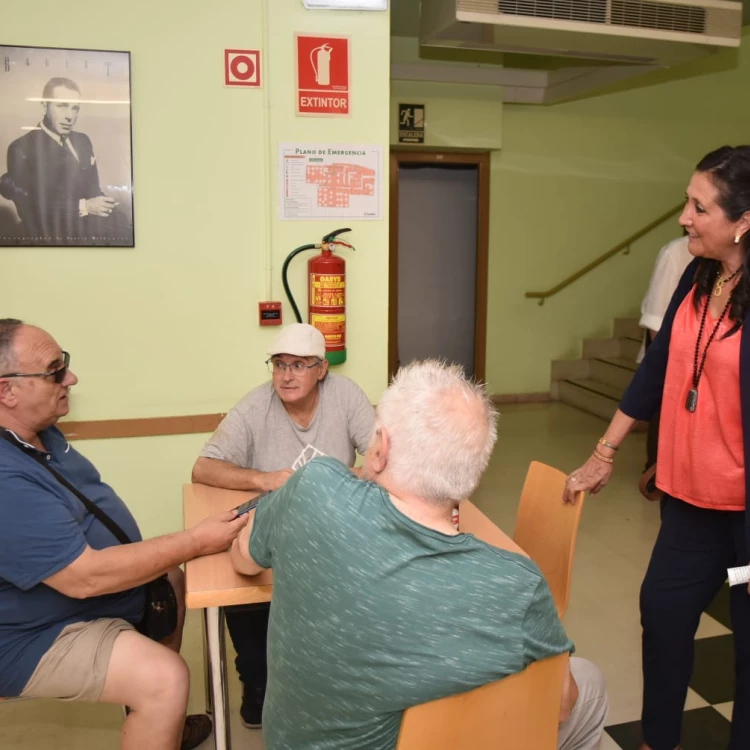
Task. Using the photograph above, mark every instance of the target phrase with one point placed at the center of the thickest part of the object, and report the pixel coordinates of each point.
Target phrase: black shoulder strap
(91, 507)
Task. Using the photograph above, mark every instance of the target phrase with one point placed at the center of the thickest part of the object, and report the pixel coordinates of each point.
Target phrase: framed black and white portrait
(66, 168)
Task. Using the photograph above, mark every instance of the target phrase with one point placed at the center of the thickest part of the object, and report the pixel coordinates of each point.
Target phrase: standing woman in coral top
(697, 371)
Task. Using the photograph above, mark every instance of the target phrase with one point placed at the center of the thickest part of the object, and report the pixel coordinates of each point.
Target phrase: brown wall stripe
(147, 427)
(200, 423)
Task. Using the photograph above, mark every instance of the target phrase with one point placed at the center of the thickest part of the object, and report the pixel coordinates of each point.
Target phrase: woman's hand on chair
(592, 477)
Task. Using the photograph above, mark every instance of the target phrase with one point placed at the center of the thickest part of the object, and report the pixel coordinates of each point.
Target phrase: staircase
(595, 383)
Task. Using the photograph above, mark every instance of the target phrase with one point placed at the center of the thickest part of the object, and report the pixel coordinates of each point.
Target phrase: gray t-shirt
(373, 613)
(259, 434)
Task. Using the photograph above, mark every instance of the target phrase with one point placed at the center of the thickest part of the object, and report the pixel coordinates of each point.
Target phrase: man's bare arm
(125, 566)
(218, 473)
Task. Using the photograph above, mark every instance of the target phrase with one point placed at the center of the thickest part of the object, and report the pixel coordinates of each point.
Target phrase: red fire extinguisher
(326, 290)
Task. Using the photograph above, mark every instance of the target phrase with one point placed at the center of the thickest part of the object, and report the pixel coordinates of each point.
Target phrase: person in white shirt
(671, 262)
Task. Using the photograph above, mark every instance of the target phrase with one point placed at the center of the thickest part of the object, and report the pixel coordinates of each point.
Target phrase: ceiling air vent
(639, 32)
(588, 11)
(690, 19)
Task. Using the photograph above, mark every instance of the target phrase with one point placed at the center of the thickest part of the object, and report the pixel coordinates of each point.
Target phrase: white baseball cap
(299, 340)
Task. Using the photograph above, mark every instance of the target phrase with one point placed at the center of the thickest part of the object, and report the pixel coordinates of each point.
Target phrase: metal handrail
(625, 245)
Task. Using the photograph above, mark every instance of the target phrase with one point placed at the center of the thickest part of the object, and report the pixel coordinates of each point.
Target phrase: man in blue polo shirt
(72, 596)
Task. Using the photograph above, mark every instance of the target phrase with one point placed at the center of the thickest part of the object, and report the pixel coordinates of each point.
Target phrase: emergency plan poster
(324, 181)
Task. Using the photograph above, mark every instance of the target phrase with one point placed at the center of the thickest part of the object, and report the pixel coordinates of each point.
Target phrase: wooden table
(211, 583)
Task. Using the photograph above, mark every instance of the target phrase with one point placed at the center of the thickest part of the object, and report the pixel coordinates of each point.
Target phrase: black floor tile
(627, 736)
(713, 671)
(719, 607)
(702, 729)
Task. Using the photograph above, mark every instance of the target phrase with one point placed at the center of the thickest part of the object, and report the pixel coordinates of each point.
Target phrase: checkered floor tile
(705, 728)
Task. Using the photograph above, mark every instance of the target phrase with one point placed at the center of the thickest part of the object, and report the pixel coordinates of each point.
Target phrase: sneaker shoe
(197, 729)
(251, 711)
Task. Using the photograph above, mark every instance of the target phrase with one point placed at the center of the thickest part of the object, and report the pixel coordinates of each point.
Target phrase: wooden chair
(520, 712)
(546, 528)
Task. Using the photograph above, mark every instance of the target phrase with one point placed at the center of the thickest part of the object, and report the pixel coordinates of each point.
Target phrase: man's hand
(102, 205)
(240, 553)
(272, 480)
(216, 533)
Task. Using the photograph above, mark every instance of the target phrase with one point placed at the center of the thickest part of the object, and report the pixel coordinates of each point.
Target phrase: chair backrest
(546, 528)
(520, 712)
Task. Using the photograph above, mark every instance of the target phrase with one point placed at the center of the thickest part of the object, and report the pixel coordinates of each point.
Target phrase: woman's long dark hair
(729, 167)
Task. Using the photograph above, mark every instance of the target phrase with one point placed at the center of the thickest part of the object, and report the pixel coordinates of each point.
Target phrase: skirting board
(520, 398)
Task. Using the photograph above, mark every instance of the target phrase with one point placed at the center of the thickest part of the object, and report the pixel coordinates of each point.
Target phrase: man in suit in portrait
(53, 179)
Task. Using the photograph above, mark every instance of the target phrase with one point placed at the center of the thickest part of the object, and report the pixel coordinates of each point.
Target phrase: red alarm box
(269, 313)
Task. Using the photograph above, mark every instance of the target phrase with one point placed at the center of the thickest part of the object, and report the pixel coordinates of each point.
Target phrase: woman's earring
(737, 238)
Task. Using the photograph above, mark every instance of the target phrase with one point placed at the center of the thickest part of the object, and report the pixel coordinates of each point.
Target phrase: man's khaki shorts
(75, 667)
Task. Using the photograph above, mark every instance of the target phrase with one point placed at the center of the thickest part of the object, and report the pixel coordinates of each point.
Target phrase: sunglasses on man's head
(57, 375)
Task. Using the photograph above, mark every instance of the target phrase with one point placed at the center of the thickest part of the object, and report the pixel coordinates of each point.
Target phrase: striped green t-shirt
(373, 613)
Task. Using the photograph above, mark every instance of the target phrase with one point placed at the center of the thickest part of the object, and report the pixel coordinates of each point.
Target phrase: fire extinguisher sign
(322, 75)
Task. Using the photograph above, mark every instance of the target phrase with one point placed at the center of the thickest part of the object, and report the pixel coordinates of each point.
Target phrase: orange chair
(546, 528)
(520, 712)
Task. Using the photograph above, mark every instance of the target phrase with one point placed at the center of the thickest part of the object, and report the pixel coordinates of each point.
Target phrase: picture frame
(66, 148)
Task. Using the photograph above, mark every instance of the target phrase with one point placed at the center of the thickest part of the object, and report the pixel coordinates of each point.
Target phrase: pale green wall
(570, 181)
(573, 180)
(170, 327)
(466, 116)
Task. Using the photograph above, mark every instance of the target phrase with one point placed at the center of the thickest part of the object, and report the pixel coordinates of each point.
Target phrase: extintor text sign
(322, 75)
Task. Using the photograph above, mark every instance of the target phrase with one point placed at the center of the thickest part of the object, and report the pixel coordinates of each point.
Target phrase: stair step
(629, 348)
(597, 386)
(613, 371)
(570, 369)
(614, 348)
(592, 396)
(628, 328)
(594, 348)
(628, 364)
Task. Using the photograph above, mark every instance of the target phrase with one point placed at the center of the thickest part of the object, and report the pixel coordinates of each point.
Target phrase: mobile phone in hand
(249, 505)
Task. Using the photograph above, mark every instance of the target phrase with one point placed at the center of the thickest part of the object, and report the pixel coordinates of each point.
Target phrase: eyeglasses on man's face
(57, 375)
(279, 367)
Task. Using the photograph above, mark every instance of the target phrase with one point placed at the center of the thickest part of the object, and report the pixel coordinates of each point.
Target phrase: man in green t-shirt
(379, 602)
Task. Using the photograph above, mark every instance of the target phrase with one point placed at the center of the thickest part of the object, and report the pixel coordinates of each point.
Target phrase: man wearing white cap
(276, 428)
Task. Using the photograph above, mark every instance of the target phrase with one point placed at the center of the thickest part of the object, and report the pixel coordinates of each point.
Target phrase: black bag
(160, 615)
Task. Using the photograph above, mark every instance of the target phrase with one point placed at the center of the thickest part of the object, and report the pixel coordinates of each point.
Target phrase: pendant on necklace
(692, 400)
(719, 287)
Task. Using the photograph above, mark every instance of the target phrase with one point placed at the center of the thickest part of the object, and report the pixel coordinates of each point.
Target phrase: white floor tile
(725, 709)
(694, 700)
(709, 627)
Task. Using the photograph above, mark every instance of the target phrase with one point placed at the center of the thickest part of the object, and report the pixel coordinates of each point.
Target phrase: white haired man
(379, 603)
